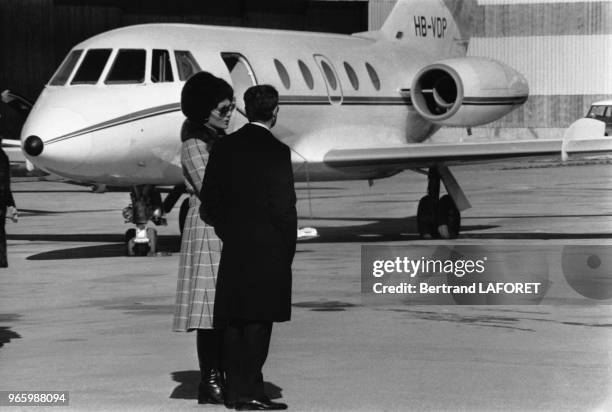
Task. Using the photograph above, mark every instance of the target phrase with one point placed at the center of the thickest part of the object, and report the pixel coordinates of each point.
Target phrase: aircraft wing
(426, 154)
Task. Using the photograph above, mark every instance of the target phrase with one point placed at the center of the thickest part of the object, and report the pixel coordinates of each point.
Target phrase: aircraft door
(243, 77)
(332, 81)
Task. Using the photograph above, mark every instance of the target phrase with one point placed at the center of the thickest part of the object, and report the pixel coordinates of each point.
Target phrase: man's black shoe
(260, 405)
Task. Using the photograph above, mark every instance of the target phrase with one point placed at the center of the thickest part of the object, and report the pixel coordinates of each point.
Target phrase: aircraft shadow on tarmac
(189, 381)
(403, 229)
(376, 230)
(69, 190)
(114, 248)
(39, 212)
(379, 229)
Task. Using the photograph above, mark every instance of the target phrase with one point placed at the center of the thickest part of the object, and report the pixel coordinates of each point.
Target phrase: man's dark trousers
(246, 346)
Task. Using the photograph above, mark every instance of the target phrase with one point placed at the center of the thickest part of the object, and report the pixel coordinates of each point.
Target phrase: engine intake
(467, 91)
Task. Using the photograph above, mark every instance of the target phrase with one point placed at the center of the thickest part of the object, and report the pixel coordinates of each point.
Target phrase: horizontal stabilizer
(425, 155)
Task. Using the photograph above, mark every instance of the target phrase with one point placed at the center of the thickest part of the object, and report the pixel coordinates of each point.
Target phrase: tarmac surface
(77, 315)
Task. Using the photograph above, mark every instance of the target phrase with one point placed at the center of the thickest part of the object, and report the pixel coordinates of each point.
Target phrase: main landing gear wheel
(437, 217)
(426, 217)
(448, 218)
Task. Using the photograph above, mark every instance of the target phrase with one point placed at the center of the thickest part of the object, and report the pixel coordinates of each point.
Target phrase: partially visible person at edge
(208, 103)
(7, 204)
(249, 197)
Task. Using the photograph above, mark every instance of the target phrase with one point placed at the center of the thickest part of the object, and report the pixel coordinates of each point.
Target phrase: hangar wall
(561, 46)
(35, 35)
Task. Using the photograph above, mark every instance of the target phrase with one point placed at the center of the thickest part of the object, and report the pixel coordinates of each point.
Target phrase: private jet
(352, 107)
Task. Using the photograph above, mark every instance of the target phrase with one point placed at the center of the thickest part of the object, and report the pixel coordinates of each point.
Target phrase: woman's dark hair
(201, 94)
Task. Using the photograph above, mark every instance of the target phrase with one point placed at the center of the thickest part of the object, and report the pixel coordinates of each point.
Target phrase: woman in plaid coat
(207, 102)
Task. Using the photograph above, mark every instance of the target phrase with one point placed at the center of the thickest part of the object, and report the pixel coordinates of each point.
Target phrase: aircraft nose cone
(33, 145)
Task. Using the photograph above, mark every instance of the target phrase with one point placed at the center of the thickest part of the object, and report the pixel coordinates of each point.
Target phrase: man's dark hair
(260, 102)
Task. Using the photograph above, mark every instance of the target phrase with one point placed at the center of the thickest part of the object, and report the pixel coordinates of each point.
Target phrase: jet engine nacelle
(467, 91)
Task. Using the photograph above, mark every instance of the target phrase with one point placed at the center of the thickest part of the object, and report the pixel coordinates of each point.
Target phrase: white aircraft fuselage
(128, 134)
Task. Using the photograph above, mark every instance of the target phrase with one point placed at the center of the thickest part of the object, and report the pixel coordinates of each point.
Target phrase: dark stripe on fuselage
(396, 101)
(304, 100)
(141, 114)
(346, 100)
(494, 101)
(377, 101)
(288, 100)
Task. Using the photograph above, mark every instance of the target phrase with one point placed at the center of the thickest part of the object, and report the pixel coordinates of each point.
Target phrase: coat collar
(258, 129)
(261, 125)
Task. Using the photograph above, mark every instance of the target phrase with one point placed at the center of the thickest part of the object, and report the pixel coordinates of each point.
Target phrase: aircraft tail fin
(442, 26)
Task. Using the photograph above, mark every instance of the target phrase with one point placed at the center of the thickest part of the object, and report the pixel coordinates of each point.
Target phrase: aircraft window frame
(94, 62)
(283, 74)
(373, 76)
(194, 67)
(352, 75)
(166, 72)
(65, 70)
(334, 96)
(306, 74)
(329, 73)
(143, 61)
(240, 59)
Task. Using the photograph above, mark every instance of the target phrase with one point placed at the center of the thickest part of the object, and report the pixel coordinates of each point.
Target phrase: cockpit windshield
(128, 67)
(186, 64)
(63, 73)
(161, 69)
(92, 66)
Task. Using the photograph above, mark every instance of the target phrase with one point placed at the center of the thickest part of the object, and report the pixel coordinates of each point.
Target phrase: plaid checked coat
(200, 247)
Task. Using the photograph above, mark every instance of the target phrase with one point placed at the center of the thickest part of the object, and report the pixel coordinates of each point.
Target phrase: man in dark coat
(249, 197)
(7, 203)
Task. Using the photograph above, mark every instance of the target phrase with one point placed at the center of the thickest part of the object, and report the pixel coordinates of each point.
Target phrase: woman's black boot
(209, 356)
(211, 387)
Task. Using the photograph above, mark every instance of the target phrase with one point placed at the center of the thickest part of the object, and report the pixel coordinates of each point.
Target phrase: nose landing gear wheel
(148, 248)
(140, 249)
